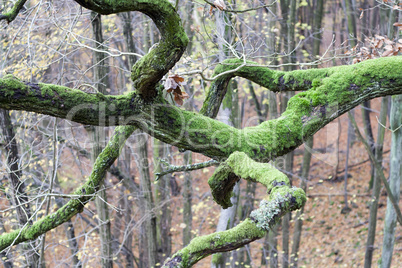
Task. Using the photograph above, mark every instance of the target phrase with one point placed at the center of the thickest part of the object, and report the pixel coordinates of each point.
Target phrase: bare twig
(186, 168)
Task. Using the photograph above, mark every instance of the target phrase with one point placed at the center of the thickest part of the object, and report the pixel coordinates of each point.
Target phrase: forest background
(61, 43)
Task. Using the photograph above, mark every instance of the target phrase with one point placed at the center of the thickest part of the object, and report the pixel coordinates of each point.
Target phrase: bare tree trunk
(369, 133)
(395, 164)
(346, 209)
(19, 197)
(288, 164)
(98, 139)
(376, 185)
(162, 196)
(318, 14)
(148, 238)
(230, 115)
(187, 157)
(187, 201)
(394, 180)
(351, 21)
(298, 220)
(273, 246)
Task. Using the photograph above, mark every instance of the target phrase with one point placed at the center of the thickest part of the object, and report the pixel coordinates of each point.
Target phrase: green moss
(10, 83)
(237, 166)
(47, 90)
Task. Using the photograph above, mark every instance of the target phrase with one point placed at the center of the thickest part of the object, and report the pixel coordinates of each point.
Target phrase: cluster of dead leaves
(378, 46)
(172, 85)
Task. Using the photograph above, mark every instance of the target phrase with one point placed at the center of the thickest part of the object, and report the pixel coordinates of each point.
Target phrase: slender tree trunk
(286, 219)
(98, 139)
(346, 209)
(19, 198)
(318, 14)
(229, 114)
(298, 220)
(162, 197)
(187, 201)
(288, 164)
(147, 205)
(351, 21)
(273, 246)
(284, 4)
(291, 33)
(394, 180)
(288, 168)
(376, 185)
(395, 164)
(187, 157)
(369, 133)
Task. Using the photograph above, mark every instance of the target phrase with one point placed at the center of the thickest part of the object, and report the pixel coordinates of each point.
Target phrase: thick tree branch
(281, 200)
(150, 69)
(330, 93)
(278, 81)
(12, 14)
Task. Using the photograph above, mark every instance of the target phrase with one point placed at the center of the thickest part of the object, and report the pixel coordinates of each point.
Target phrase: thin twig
(186, 168)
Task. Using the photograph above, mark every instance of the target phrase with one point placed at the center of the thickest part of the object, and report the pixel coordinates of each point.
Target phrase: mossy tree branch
(150, 69)
(12, 14)
(329, 93)
(146, 74)
(281, 200)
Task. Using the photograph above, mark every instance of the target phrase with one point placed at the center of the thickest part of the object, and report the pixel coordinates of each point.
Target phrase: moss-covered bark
(329, 93)
(12, 14)
(150, 69)
(281, 200)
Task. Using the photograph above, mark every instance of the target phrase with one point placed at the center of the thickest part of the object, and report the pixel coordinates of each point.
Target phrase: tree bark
(394, 180)
(308, 146)
(376, 184)
(19, 197)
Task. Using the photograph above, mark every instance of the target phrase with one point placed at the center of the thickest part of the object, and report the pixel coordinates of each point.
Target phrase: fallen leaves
(378, 46)
(173, 85)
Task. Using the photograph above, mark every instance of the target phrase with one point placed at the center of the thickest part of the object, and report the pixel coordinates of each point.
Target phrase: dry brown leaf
(220, 4)
(387, 53)
(178, 100)
(172, 85)
(178, 79)
(379, 37)
(388, 42)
